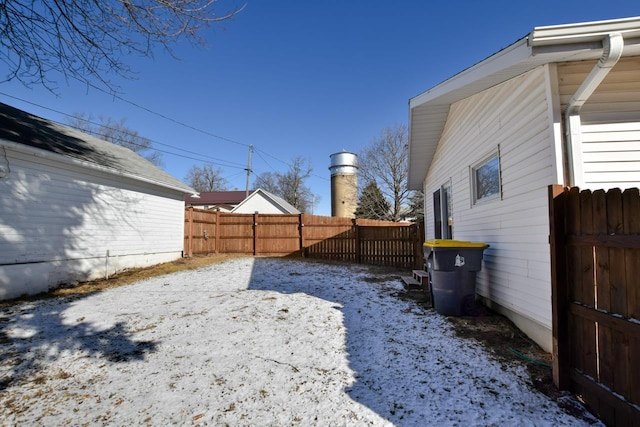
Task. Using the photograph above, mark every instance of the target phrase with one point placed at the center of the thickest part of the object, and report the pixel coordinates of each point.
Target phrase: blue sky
(302, 78)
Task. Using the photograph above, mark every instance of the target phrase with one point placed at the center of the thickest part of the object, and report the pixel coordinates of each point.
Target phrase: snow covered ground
(261, 342)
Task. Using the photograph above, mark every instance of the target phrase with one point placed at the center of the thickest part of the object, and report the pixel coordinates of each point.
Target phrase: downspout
(612, 45)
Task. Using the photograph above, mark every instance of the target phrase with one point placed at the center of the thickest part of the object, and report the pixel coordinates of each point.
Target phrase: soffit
(428, 111)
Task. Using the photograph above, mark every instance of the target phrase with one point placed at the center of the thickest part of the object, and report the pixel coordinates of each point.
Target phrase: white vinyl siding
(67, 218)
(514, 117)
(611, 155)
(610, 123)
(258, 204)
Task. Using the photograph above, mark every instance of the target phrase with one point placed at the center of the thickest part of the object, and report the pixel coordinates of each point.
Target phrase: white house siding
(611, 155)
(58, 220)
(258, 203)
(610, 123)
(516, 271)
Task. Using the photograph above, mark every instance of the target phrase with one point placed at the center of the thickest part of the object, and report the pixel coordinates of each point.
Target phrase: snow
(255, 342)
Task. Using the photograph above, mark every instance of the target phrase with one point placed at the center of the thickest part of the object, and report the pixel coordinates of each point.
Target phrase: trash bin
(452, 267)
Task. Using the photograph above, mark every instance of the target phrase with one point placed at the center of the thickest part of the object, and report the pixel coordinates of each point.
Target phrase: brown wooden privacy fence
(341, 239)
(595, 261)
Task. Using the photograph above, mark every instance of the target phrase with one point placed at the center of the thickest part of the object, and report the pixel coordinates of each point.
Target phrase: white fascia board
(558, 43)
(244, 202)
(446, 92)
(284, 206)
(584, 31)
(37, 152)
(578, 38)
(275, 203)
(434, 104)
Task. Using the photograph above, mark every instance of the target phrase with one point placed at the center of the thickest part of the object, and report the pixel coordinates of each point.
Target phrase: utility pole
(246, 194)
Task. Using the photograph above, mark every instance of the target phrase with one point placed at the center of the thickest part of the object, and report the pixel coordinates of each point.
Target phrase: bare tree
(87, 39)
(206, 178)
(268, 181)
(385, 162)
(290, 185)
(116, 132)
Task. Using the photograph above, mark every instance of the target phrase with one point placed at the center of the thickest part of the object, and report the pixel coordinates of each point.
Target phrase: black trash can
(452, 267)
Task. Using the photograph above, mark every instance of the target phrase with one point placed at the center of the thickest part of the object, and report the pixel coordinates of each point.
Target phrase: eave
(428, 111)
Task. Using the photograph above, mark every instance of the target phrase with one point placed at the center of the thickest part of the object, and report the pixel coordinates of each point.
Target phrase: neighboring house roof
(216, 198)
(277, 202)
(559, 43)
(26, 131)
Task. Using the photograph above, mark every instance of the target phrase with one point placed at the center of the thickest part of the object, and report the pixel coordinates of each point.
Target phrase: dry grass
(124, 278)
(501, 337)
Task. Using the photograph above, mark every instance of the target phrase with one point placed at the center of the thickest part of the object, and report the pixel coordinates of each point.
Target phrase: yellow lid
(447, 243)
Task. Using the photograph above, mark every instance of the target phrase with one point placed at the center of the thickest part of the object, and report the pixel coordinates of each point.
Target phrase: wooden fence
(341, 239)
(595, 247)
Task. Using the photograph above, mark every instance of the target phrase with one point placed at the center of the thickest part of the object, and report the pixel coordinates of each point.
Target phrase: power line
(103, 126)
(186, 125)
(263, 159)
(166, 117)
(98, 134)
(286, 163)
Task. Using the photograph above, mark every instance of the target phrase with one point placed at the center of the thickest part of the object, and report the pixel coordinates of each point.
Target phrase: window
(443, 220)
(485, 177)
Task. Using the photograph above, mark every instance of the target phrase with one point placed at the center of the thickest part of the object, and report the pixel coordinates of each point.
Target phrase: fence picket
(595, 240)
(606, 360)
(341, 239)
(586, 278)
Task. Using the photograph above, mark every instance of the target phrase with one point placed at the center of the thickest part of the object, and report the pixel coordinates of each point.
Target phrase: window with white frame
(485, 178)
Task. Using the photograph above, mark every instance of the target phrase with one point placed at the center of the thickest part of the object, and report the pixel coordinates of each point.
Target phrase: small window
(485, 177)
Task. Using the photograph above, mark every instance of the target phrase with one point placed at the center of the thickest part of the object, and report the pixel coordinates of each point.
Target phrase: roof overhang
(428, 111)
(59, 158)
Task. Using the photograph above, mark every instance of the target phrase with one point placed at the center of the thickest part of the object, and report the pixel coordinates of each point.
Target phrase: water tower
(344, 184)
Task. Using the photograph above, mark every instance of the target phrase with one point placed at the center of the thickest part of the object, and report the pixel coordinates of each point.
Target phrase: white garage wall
(59, 220)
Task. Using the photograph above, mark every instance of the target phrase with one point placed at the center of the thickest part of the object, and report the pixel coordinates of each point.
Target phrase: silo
(344, 184)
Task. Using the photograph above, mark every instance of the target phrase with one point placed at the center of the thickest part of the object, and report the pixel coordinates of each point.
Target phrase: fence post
(217, 232)
(301, 228)
(356, 233)
(255, 233)
(559, 286)
(190, 230)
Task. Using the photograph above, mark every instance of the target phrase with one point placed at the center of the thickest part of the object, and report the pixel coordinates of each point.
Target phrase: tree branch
(87, 39)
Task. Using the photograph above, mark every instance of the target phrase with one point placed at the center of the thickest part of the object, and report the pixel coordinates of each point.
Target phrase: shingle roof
(288, 207)
(276, 201)
(23, 128)
(216, 198)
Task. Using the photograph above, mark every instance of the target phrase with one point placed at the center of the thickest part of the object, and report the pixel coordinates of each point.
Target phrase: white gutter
(612, 45)
(582, 32)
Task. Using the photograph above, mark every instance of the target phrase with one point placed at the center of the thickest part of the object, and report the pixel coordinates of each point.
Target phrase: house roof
(559, 43)
(278, 202)
(216, 198)
(24, 131)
